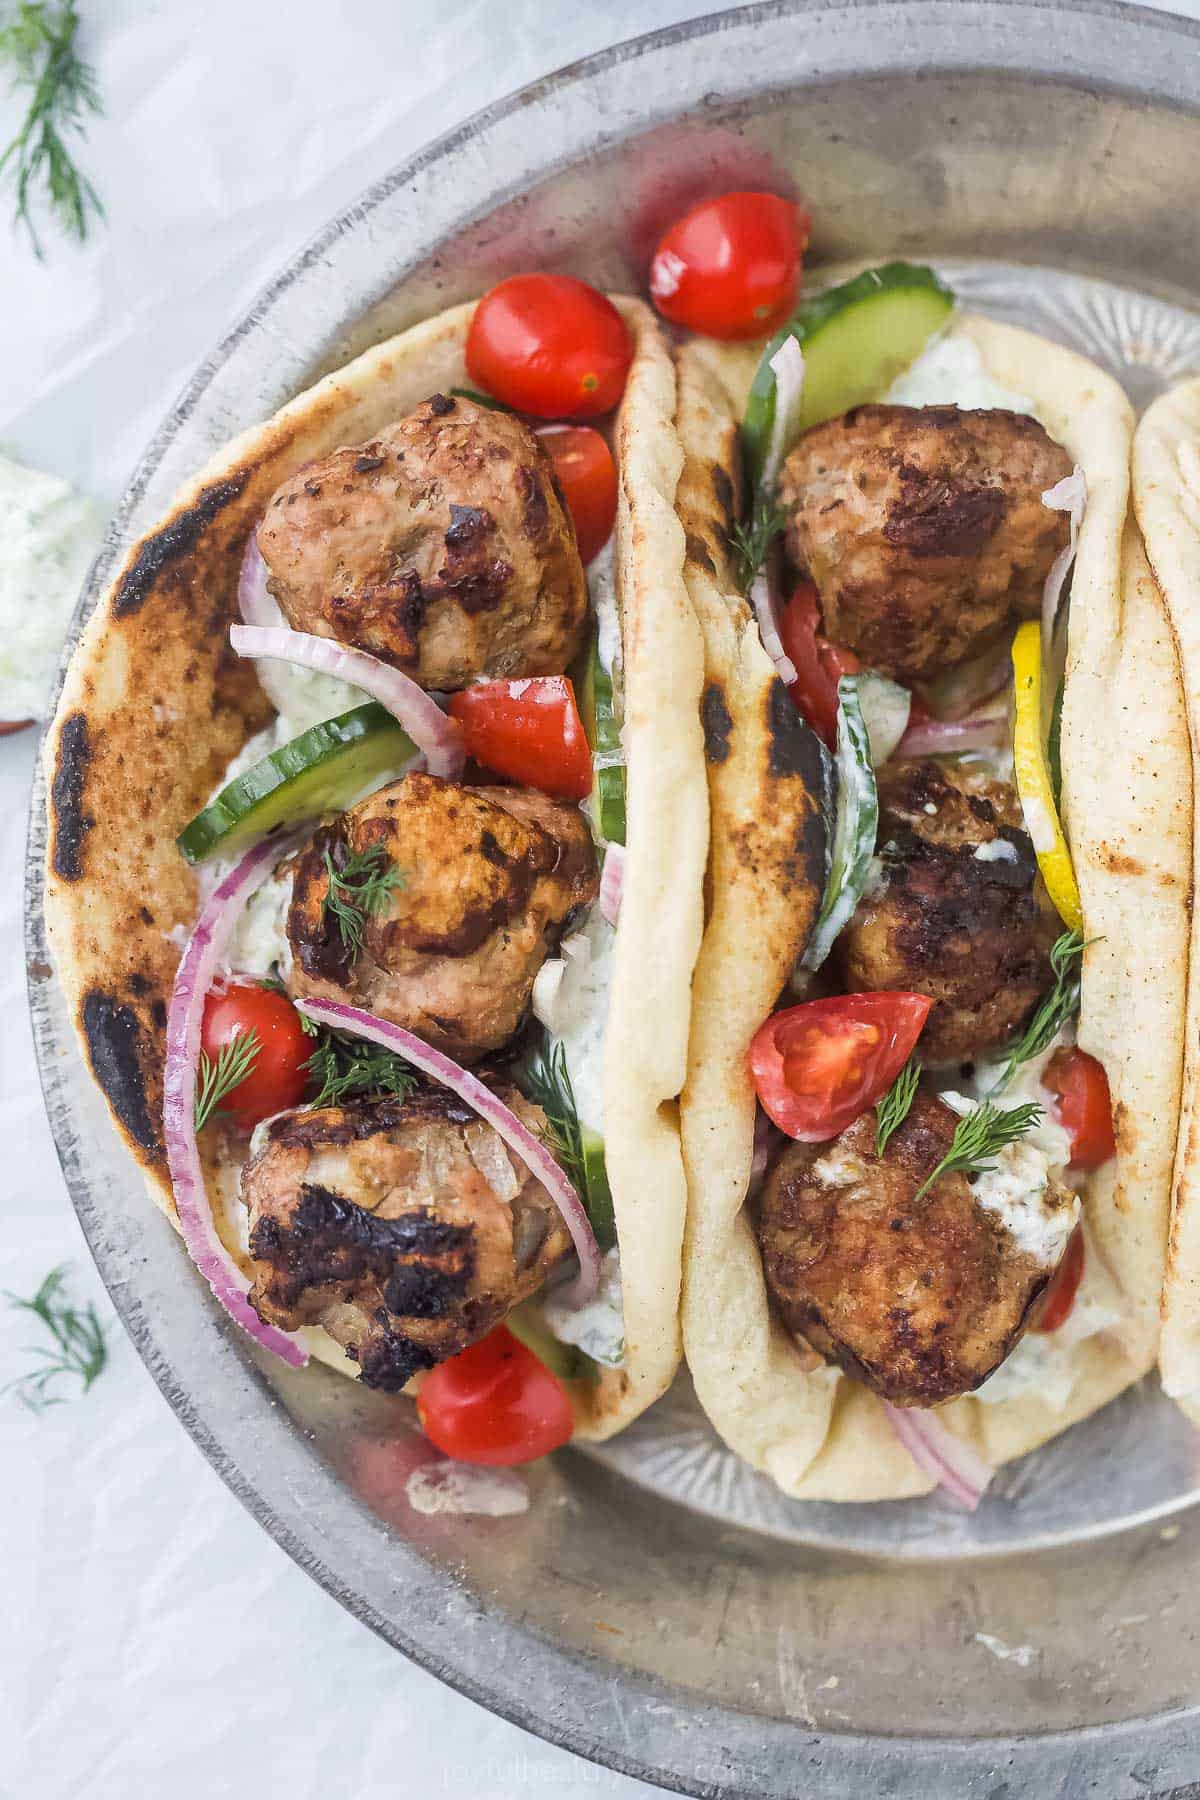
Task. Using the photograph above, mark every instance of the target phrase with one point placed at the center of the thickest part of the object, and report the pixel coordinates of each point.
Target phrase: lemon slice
(1032, 770)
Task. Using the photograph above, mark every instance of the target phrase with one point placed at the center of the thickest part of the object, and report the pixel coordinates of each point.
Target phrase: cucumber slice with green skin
(856, 339)
(323, 770)
(598, 708)
(856, 824)
(598, 1198)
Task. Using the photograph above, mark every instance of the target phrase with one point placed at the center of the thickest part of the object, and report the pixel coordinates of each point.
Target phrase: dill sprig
(1057, 1009)
(895, 1106)
(215, 1081)
(752, 540)
(342, 1066)
(78, 1346)
(39, 43)
(978, 1138)
(359, 890)
(546, 1080)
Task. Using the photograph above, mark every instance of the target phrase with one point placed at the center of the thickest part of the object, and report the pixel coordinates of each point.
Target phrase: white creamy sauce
(461, 1488)
(602, 588)
(950, 372)
(577, 1011)
(260, 939)
(300, 696)
(997, 850)
(1016, 1189)
(597, 1328)
(48, 537)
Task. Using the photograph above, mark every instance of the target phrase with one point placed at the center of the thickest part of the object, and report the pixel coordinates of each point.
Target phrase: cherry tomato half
(1058, 1297)
(1084, 1105)
(731, 266)
(588, 478)
(551, 346)
(494, 1403)
(819, 664)
(277, 1078)
(820, 1065)
(528, 731)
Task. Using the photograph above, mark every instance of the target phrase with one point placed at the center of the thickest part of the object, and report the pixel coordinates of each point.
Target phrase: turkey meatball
(443, 547)
(955, 910)
(481, 882)
(406, 1228)
(923, 529)
(920, 1300)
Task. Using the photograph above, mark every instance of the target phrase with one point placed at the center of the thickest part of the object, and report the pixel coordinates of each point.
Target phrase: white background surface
(156, 1641)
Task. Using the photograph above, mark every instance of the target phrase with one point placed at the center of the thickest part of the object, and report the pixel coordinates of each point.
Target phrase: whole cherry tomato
(818, 1066)
(1084, 1105)
(731, 267)
(495, 1403)
(550, 346)
(528, 731)
(1058, 1296)
(588, 478)
(819, 664)
(277, 1077)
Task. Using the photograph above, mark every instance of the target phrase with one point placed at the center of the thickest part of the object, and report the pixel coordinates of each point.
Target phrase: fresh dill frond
(752, 540)
(546, 1080)
(979, 1137)
(39, 45)
(343, 1066)
(215, 1081)
(77, 1346)
(359, 890)
(895, 1106)
(1058, 1007)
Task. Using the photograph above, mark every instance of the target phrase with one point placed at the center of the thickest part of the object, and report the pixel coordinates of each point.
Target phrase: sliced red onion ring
(254, 602)
(532, 1152)
(945, 737)
(787, 365)
(197, 967)
(612, 881)
(426, 724)
(762, 599)
(1070, 496)
(964, 690)
(934, 1448)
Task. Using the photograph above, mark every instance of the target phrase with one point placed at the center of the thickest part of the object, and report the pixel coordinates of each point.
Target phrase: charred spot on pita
(117, 1050)
(175, 540)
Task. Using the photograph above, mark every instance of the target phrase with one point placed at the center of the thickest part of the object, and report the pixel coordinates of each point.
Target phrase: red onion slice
(612, 881)
(520, 1140)
(197, 967)
(254, 602)
(945, 737)
(787, 365)
(438, 736)
(762, 599)
(1070, 496)
(934, 1448)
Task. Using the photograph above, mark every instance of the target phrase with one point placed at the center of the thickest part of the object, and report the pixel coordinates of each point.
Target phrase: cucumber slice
(856, 823)
(598, 1199)
(601, 721)
(885, 709)
(323, 770)
(856, 339)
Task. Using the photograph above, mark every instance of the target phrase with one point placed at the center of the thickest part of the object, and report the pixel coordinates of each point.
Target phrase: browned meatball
(406, 1228)
(918, 1299)
(955, 911)
(923, 528)
(443, 547)
(486, 879)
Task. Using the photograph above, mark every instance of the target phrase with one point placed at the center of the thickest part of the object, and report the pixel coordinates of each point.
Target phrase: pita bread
(1127, 777)
(154, 706)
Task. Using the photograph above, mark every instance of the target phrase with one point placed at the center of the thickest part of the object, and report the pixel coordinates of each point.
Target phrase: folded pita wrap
(1127, 775)
(155, 704)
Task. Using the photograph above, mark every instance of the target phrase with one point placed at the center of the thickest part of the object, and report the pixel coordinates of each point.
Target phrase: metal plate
(651, 1610)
